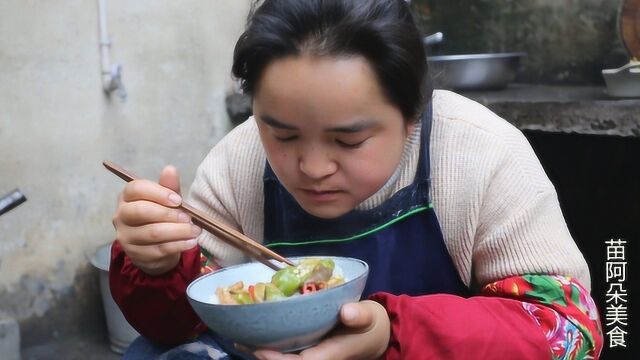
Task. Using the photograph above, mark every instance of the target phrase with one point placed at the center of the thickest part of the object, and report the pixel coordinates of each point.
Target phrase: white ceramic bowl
(285, 325)
(624, 81)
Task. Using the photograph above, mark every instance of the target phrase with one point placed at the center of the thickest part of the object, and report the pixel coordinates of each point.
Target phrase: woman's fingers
(152, 230)
(143, 212)
(150, 254)
(365, 334)
(169, 178)
(357, 315)
(148, 190)
(158, 233)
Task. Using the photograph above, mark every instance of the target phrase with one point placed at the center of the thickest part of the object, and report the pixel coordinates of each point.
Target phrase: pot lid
(630, 26)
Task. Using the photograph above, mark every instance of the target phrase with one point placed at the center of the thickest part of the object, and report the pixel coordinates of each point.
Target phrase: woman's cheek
(285, 164)
(358, 167)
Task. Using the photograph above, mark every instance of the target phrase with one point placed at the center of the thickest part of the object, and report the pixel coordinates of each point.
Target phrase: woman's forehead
(333, 87)
(310, 72)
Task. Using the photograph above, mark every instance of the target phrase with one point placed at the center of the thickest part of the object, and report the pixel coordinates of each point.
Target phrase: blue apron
(401, 239)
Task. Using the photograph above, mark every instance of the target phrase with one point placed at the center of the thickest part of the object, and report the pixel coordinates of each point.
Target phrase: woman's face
(330, 134)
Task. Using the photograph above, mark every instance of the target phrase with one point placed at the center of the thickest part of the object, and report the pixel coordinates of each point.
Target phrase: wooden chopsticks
(220, 230)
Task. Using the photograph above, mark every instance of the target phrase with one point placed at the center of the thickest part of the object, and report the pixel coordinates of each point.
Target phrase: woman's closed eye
(351, 144)
(285, 138)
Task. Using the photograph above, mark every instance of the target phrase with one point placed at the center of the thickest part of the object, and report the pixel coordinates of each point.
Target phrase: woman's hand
(150, 228)
(364, 335)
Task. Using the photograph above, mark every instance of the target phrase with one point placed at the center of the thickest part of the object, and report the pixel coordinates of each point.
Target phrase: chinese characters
(616, 296)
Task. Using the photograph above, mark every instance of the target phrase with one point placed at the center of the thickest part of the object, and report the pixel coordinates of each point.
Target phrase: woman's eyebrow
(276, 123)
(354, 127)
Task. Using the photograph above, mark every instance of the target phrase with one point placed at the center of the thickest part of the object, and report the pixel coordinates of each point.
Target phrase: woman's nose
(317, 165)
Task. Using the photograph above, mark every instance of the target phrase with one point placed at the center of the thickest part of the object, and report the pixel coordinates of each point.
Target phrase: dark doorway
(598, 184)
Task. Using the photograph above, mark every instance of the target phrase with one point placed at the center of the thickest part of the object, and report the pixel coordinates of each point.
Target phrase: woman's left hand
(364, 335)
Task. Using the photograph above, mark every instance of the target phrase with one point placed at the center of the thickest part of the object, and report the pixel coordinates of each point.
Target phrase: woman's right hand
(151, 229)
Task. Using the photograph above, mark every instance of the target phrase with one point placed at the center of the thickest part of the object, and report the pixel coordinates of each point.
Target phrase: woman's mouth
(321, 195)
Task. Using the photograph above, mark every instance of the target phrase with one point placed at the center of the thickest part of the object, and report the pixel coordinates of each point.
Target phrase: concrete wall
(56, 127)
(568, 41)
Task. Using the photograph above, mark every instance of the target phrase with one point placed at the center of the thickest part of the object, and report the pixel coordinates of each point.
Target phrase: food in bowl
(308, 276)
(289, 324)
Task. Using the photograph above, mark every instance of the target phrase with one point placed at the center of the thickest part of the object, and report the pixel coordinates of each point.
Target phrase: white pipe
(105, 44)
(111, 74)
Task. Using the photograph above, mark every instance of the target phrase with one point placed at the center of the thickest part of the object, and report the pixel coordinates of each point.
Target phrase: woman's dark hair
(382, 31)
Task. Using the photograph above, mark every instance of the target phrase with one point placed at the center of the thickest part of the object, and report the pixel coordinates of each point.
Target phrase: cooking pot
(468, 72)
(490, 71)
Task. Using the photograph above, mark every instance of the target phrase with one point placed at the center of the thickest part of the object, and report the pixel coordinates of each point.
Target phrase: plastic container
(624, 81)
(121, 334)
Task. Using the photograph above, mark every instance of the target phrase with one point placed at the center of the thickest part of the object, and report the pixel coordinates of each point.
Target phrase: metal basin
(474, 71)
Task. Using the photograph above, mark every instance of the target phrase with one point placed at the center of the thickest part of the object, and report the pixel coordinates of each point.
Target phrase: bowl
(624, 81)
(285, 325)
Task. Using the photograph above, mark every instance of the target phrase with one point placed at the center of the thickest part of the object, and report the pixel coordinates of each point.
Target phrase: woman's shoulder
(467, 128)
(473, 150)
(241, 148)
(451, 109)
(236, 163)
(243, 137)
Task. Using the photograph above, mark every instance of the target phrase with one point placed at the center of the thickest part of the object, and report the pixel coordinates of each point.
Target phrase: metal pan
(469, 72)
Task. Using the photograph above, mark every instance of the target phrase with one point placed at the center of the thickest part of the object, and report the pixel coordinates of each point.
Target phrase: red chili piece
(309, 288)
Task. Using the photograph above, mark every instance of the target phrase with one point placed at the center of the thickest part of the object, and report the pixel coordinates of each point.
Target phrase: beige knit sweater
(498, 211)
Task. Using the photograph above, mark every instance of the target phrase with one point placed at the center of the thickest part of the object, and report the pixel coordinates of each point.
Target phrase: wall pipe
(111, 74)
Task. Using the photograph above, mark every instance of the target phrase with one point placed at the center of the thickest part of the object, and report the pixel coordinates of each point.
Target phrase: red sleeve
(156, 306)
(451, 327)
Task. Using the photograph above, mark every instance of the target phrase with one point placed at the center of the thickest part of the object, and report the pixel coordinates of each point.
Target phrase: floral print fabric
(206, 264)
(561, 307)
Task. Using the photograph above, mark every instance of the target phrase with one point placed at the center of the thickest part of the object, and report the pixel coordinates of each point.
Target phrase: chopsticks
(223, 232)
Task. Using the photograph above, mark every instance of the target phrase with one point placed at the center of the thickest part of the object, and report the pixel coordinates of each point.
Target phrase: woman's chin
(326, 211)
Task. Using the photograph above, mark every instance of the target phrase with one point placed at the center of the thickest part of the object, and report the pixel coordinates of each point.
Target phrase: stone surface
(9, 338)
(66, 310)
(72, 347)
(561, 109)
(564, 109)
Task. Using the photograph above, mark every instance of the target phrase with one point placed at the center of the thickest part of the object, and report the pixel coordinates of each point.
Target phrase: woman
(349, 153)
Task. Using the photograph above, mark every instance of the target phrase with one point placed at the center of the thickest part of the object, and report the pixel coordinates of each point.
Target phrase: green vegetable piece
(328, 263)
(287, 280)
(306, 268)
(242, 298)
(271, 292)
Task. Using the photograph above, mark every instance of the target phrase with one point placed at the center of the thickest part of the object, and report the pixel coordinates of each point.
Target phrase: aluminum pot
(474, 71)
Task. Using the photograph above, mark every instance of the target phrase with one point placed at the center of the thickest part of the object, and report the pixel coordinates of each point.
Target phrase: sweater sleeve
(521, 228)
(156, 306)
(228, 187)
